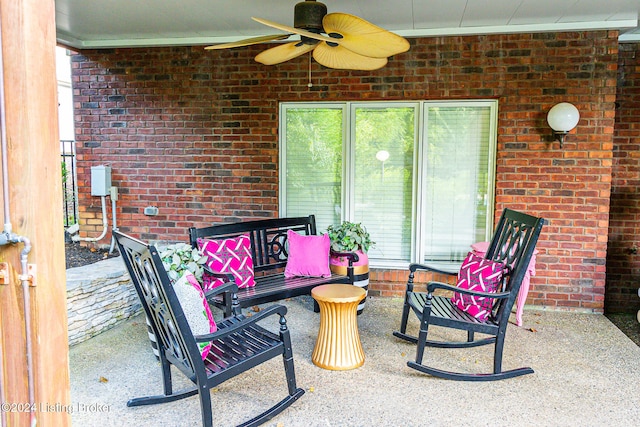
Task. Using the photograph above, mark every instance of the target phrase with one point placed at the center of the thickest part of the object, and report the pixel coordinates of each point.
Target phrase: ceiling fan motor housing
(308, 15)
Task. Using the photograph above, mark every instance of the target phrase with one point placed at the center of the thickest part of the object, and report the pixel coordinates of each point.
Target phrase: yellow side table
(338, 346)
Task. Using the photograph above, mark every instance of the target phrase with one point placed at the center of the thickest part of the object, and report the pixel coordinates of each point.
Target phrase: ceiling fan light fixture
(292, 30)
(308, 15)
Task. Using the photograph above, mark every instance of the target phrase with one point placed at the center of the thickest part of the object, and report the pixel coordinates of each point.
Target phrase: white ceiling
(85, 24)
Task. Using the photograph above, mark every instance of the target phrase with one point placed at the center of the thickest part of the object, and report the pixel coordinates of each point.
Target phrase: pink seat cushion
(308, 255)
(478, 274)
(231, 255)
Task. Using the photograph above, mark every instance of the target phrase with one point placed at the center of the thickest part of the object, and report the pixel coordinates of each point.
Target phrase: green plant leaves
(349, 236)
(181, 257)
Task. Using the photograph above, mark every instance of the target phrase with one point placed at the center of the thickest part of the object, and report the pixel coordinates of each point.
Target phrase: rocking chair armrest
(351, 256)
(281, 310)
(427, 267)
(432, 286)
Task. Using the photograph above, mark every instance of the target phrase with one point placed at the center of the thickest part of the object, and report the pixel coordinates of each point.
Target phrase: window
(418, 175)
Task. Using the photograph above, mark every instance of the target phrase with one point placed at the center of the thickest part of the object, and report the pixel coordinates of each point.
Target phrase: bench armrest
(227, 277)
(351, 256)
(230, 287)
(244, 322)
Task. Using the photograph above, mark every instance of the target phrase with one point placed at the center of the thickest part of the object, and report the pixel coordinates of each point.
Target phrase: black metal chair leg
(497, 356)
(424, 330)
(166, 375)
(406, 308)
(405, 316)
(287, 357)
(205, 407)
(236, 310)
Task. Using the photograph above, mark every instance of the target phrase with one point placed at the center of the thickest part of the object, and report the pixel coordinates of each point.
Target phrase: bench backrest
(268, 237)
(175, 340)
(513, 244)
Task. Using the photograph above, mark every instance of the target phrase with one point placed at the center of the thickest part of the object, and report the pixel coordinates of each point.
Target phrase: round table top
(338, 293)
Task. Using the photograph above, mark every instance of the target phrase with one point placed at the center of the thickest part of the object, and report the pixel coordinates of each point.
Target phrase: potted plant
(351, 237)
(179, 257)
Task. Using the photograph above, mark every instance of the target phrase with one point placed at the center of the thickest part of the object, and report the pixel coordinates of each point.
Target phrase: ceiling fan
(338, 40)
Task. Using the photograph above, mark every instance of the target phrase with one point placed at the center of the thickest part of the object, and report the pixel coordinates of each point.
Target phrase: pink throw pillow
(308, 255)
(231, 255)
(196, 309)
(478, 274)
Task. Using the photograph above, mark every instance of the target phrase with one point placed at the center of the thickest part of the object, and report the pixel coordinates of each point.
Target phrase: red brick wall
(623, 256)
(194, 133)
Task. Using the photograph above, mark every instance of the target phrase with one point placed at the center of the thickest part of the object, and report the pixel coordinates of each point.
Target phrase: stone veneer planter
(99, 296)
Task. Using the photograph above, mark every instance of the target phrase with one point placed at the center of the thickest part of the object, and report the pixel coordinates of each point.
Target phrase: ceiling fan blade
(283, 53)
(247, 42)
(294, 30)
(363, 37)
(342, 58)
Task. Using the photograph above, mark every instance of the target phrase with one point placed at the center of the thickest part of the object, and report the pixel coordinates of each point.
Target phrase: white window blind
(383, 164)
(313, 162)
(456, 187)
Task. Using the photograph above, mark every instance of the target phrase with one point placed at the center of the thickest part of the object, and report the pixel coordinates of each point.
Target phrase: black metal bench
(238, 345)
(269, 251)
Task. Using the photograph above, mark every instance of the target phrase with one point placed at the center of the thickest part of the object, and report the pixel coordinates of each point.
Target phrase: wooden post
(35, 200)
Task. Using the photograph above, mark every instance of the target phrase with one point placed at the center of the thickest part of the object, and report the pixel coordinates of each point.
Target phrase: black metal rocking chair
(238, 345)
(513, 244)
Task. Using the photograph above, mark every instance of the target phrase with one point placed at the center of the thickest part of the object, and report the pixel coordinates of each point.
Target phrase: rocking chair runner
(513, 244)
(238, 345)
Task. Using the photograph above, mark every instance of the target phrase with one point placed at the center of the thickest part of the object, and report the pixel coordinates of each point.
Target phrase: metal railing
(69, 188)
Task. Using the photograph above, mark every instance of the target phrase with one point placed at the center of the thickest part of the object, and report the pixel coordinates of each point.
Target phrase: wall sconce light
(562, 118)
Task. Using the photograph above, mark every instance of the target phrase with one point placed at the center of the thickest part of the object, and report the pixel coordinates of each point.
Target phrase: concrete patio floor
(587, 373)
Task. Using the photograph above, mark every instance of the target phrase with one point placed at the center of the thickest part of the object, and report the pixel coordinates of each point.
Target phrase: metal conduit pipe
(105, 225)
(24, 278)
(3, 135)
(114, 225)
(8, 237)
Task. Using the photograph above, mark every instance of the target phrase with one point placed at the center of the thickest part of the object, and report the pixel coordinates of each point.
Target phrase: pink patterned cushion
(308, 255)
(195, 308)
(478, 274)
(231, 255)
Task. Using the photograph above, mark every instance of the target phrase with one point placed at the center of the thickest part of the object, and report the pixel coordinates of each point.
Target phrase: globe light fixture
(382, 155)
(562, 118)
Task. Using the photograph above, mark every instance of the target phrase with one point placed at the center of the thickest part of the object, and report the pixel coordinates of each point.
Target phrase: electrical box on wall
(100, 180)
(151, 211)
